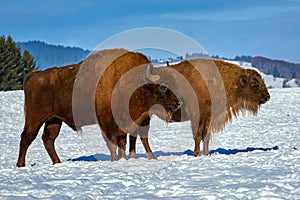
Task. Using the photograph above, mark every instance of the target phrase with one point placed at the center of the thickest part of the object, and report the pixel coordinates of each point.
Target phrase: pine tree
(276, 72)
(28, 65)
(294, 75)
(13, 66)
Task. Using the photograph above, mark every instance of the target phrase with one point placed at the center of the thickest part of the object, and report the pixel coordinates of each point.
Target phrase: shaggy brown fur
(74, 94)
(244, 90)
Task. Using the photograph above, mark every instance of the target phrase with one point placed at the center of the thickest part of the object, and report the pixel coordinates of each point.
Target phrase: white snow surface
(292, 83)
(255, 157)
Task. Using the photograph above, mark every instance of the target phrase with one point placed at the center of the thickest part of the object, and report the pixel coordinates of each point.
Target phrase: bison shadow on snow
(105, 157)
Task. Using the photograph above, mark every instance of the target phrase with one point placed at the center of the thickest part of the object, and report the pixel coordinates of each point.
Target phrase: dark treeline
(241, 58)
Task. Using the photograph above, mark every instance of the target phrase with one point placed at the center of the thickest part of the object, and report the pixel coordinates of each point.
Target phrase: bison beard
(244, 88)
(49, 100)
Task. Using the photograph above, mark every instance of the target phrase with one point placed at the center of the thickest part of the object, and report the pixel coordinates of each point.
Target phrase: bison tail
(27, 77)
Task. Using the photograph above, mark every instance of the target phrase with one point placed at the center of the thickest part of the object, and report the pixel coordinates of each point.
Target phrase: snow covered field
(254, 158)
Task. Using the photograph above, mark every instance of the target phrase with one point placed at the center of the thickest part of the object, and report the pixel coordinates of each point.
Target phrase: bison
(222, 90)
(81, 94)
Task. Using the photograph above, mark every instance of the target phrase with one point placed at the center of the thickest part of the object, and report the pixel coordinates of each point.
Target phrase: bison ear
(242, 81)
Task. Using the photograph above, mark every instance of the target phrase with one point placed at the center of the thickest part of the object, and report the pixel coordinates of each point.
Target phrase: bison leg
(206, 138)
(51, 132)
(201, 134)
(142, 131)
(198, 133)
(197, 146)
(111, 143)
(197, 140)
(205, 147)
(122, 141)
(132, 146)
(147, 148)
(28, 135)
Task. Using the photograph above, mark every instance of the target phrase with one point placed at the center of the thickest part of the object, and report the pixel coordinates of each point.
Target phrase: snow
(292, 83)
(255, 157)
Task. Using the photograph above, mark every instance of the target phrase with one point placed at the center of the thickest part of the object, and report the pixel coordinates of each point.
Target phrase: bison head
(166, 86)
(253, 88)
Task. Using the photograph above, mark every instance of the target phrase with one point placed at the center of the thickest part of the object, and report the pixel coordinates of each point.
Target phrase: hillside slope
(47, 55)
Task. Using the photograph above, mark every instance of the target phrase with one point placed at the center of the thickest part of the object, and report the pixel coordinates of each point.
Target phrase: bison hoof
(20, 164)
(150, 156)
(132, 155)
(122, 157)
(114, 158)
(56, 162)
(196, 154)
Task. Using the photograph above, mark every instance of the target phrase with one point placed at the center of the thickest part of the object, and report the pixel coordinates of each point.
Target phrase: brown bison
(82, 94)
(222, 90)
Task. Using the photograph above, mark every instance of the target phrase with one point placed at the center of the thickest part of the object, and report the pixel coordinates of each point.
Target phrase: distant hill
(278, 68)
(47, 55)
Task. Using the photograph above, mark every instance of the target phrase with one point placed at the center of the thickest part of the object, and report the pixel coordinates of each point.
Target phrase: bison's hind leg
(51, 131)
(29, 133)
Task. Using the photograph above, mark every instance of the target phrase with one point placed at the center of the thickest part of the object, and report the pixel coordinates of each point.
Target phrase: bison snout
(265, 99)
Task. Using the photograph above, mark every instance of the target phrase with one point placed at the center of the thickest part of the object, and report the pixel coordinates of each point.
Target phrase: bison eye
(163, 87)
(254, 83)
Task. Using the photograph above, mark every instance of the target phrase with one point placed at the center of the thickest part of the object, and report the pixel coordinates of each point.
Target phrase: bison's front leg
(142, 131)
(122, 145)
(147, 148)
(132, 146)
(112, 146)
(110, 135)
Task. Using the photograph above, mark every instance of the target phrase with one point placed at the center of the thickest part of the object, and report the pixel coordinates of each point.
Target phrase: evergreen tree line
(241, 58)
(14, 65)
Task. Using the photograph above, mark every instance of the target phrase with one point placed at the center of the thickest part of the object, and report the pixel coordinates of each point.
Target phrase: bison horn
(151, 76)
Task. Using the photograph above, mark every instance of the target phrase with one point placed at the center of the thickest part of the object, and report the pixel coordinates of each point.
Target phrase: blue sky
(268, 28)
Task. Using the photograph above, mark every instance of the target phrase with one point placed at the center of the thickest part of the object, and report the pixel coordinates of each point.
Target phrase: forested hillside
(47, 55)
(278, 68)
